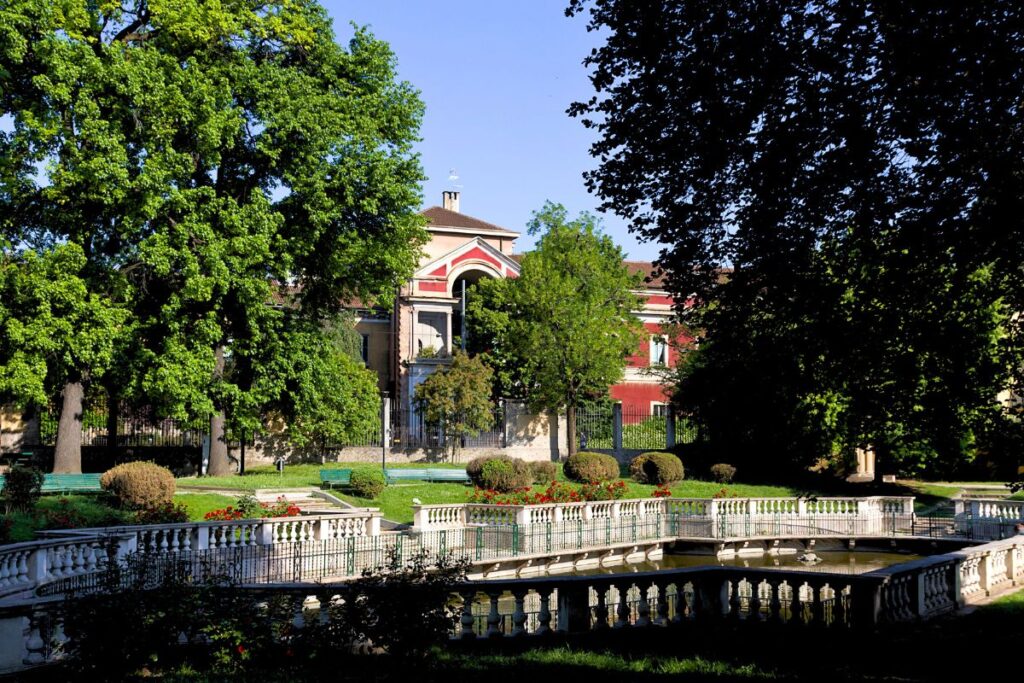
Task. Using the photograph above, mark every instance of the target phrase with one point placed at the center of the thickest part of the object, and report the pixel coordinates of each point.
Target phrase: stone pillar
(574, 608)
(385, 425)
(420, 518)
(617, 429)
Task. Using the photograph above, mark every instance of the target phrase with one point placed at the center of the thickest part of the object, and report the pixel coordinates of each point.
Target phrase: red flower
(240, 649)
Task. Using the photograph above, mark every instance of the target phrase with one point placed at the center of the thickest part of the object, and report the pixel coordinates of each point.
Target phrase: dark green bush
(367, 483)
(656, 467)
(544, 471)
(474, 468)
(139, 485)
(723, 472)
(22, 488)
(591, 467)
(505, 475)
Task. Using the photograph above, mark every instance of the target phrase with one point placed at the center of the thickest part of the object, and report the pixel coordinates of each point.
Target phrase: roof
(441, 217)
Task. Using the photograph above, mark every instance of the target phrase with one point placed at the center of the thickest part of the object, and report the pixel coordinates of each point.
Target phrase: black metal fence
(410, 430)
(136, 427)
(643, 428)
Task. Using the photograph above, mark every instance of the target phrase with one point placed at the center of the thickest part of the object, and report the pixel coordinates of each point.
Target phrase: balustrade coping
(518, 506)
(94, 531)
(954, 556)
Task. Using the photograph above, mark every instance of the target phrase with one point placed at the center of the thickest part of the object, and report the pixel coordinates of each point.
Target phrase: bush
(139, 485)
(723, 473)
(168, 513)
(505, 474)
(544, 471)
(22, 488)
(591, 467)
(475, 467)
(367, 483)
(656, 468)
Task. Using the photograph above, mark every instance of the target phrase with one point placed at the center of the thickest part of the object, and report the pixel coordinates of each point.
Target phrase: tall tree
(218, 156)
(54, 335)
(856, 165)
(564, 329)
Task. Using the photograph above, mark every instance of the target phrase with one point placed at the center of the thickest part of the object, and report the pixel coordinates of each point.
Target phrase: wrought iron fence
(136, 427)
(410, 430)
(643, 428)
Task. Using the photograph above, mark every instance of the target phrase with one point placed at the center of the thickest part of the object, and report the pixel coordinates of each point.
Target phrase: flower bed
(248, 508)
(556, 492)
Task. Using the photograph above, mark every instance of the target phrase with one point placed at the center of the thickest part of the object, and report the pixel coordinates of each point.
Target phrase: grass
(396, 500)
(95, 510)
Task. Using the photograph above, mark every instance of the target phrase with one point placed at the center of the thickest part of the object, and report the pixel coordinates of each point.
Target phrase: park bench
(425, 474)
(331, 478)
(68, 483)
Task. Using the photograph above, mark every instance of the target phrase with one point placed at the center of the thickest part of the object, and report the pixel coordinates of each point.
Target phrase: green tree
(55, 335)
(208, 153)
(853, 165)
(457, 397)
(563, 330)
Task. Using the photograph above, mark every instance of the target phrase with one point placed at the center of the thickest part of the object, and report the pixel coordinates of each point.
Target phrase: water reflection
(833, 562)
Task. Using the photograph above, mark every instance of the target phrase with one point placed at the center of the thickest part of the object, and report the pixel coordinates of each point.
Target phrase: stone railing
(988, 518)
(716, 518)
(63, 554)
(702, 596)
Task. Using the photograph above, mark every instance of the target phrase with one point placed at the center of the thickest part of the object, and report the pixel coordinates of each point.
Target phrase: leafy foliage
(227, 170)
(723, 473)
(23, 486)
(139, 485)
(590, 467)
(656, 468)
(836, 186)
(505, 474)
(458, 398)
(562, 331)
(367, 483)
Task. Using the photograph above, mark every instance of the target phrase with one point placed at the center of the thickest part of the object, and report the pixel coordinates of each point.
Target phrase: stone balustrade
(988, 518)
(68, 553)
(715, 518)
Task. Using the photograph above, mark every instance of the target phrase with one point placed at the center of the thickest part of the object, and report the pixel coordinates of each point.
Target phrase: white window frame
(659, 404)
(656, 341)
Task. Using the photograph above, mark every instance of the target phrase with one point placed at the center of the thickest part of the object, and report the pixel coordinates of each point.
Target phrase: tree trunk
(220, 465)
(113, 415)
(570, 427)
(67, 455)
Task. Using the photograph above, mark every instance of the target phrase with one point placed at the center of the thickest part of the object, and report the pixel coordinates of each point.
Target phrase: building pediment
(436, 277)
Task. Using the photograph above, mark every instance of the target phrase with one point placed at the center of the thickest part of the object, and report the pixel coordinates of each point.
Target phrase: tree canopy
(238, 171)
(457, 398)
(562, 331)
(854, 169)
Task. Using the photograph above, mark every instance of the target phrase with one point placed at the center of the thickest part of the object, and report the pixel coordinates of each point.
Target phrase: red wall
(636, 398)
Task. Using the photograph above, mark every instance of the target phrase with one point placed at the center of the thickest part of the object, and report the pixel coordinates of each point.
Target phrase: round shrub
(367, 483)
(544, 471)
(474, 468)
(591, 467)
(505, 475)
(656, 468)
(22, 488)
(723, 472)
(139, 485)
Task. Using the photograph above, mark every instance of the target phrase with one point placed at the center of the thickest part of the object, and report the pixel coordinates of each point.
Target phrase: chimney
(450, 200)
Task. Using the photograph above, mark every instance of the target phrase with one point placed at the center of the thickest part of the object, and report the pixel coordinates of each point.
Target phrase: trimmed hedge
(474, 468)
(140, 484)
(657, 468)
(587, 467)
(505, 475)
(366, 483)
(544, 471)
(723, 472)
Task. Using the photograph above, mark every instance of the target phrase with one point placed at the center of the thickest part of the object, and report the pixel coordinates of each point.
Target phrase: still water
(836, 562)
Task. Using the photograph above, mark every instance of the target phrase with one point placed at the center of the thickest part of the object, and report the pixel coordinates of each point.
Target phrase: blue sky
(496, 78)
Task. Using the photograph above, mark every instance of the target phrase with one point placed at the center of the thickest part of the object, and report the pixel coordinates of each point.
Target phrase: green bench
(425, 474)
(332, 478)
(68, 483)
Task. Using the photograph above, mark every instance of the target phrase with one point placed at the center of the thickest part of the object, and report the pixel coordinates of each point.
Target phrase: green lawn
(94, 510)
(396, 500)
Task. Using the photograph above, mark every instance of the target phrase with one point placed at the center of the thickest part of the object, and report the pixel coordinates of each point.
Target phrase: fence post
(670, 428)
(385, 423)
(503, 407)
(617, 428)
